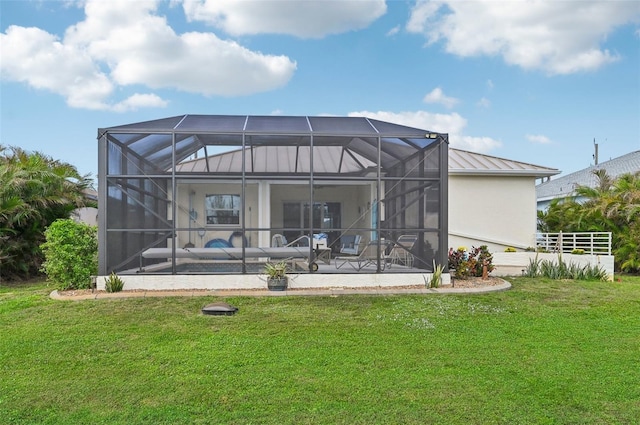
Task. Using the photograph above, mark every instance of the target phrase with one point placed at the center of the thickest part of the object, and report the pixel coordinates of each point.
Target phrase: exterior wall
(353, 198)
(497, 211)
(199, 191)
(87, 215)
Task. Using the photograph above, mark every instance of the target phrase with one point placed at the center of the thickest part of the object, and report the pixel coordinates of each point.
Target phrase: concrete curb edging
(295, 292)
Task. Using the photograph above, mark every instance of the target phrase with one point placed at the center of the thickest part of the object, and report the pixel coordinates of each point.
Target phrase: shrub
(71, 254)
(436, 277)
(561, 270)
(467, 264)
(510, 249)
(113, 283)
(578, 251)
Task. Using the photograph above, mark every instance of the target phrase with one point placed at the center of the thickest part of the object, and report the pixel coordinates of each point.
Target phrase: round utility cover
(219, 309)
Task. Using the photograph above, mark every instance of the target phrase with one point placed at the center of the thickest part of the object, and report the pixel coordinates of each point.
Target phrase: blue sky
(533, 81)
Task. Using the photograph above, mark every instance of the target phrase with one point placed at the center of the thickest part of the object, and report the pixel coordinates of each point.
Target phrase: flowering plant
(470, 263)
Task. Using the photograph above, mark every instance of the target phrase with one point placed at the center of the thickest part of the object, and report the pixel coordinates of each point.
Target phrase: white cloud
(484, 103)
(35, 57)
(538, 138)
(393, 31)
(558, 37)
(138, 101)
(437, 96)
(489, 85)
(122, 43)
(304, 19)
(453, 124)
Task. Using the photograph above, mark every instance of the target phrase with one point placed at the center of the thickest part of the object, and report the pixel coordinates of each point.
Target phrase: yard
(545, 352)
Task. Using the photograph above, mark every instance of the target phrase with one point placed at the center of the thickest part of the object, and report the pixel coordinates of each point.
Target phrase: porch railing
(595, 243)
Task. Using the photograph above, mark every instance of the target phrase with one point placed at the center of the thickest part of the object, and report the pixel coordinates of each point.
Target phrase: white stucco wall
(498, 211)
(200, 191)
(264, 207)
(87, 215)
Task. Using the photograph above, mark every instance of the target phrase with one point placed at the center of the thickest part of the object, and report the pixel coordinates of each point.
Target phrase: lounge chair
(368, 256)
(279, 241)
(401, 252)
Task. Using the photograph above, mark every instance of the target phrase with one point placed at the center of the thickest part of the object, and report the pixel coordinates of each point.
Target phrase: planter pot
(277, 283)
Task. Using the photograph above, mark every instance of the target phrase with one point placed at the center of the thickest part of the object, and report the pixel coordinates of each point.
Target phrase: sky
(532, 81)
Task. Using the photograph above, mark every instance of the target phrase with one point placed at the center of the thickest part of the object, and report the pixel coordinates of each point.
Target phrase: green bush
(71, 254)
(578, 251)
(510, 249)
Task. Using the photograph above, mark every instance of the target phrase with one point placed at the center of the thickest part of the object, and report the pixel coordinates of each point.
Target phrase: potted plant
(276, 275)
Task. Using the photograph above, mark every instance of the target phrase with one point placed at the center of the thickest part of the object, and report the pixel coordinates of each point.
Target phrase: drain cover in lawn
(219, 309)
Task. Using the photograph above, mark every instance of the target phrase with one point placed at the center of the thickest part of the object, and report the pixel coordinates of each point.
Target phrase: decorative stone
(219, 309)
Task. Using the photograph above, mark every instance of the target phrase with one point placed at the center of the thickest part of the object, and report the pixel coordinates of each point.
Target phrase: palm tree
(611, 206)
(35, 190)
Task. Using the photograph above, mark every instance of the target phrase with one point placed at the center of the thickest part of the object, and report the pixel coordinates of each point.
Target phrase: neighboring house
(492, 201)
(87, 215)
(564, 187)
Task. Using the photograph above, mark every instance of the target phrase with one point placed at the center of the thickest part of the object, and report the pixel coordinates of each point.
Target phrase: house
(564, 187)
(186, 197)
(492, 201)
(87, 215)
(207, 194)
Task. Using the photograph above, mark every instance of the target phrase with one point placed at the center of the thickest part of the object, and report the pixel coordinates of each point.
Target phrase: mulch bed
(473, 282)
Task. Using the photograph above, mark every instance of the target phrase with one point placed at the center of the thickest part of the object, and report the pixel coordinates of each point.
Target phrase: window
(222, 209)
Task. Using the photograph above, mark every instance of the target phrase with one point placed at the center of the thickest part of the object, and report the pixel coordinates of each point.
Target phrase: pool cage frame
(145, 169)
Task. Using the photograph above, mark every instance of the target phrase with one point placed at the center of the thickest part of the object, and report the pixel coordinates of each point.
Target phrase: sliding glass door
(326, 219)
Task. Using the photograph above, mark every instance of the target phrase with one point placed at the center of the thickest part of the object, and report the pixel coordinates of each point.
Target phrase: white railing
(595, 243)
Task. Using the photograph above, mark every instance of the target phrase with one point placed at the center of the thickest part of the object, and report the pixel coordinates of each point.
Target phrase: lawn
(545, 352)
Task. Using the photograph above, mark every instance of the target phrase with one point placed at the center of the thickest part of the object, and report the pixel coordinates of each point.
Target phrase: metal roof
(330, 159)
(565, 186)
(471, 163)
(280, 159)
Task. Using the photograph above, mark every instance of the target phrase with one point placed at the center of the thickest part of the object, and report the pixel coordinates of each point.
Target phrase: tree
(612, 206)
(35, 190)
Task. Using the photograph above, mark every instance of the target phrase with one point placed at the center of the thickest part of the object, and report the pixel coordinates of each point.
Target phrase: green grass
(545, 352)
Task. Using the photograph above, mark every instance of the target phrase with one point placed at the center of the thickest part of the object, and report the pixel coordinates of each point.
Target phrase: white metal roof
(472, 163)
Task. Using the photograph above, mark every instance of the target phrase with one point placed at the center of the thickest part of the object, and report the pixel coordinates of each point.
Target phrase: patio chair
(368, 256)
(278, 240)
(401, 252)
(350, 244)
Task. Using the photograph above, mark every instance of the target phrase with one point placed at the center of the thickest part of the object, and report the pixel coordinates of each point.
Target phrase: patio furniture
(401, 252)
(350, 244)
(368, 256)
